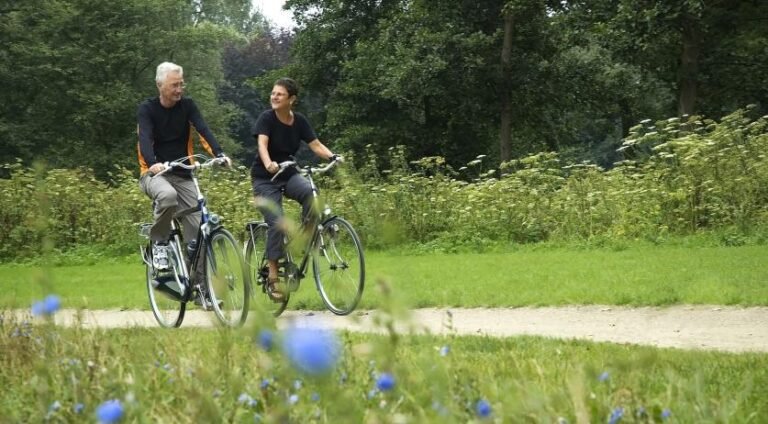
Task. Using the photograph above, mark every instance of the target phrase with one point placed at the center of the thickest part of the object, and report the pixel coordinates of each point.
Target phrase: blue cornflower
(483, 408)
(78, 408)
(47, 306)
(665, 414)
(293, 399)
(311, 350)
(297, 384)
(315, 397)
(385, 382)
(604, 376)
(445, 350)
(110, 411)
(264, 383)
(246, 399)
(266, 340)
(616, 415)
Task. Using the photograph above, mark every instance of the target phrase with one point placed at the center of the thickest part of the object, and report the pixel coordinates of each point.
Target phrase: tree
(242, 64)
(74, 71)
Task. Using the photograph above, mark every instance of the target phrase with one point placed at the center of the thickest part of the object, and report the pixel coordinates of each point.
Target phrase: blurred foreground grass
(194, 375)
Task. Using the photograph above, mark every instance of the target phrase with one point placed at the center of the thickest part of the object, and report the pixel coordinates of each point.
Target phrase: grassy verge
(194, 375)
(637, 275)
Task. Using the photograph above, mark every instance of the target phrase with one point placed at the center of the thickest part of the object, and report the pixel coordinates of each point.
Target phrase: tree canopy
(449, 78)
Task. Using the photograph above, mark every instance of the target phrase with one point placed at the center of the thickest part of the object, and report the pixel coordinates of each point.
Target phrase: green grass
(194, 375)
(639, 274)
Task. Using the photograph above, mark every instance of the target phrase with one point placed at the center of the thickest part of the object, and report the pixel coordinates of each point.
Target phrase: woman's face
(280, 99)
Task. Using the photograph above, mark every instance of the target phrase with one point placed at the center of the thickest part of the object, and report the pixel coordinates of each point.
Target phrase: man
(165, 126)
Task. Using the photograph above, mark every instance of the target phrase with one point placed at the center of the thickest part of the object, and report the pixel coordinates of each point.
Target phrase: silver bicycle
(209, 270)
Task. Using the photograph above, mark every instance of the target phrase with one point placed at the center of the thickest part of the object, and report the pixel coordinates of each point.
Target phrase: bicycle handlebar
(197, 165)
(307, 169)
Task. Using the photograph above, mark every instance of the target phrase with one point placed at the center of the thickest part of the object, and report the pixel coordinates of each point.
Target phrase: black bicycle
(209, 270)
(337, 257)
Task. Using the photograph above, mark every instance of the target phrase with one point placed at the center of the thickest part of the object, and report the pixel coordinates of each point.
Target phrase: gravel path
(730, 329)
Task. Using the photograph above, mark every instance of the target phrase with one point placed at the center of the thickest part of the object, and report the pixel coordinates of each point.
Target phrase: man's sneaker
(160, 256)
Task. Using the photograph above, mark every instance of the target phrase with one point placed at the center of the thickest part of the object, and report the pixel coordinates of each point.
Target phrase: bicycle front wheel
(256, 261)
(339, 266)
(228, 281)
(163, 290)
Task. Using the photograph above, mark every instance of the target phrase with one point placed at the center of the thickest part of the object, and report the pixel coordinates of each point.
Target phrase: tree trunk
(689, 65)
(505, 132)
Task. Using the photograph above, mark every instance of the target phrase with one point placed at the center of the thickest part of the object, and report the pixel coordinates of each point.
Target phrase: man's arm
(207, 140)
(145, 130)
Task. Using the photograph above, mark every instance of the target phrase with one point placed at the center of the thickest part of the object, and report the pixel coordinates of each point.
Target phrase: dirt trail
(711, 327)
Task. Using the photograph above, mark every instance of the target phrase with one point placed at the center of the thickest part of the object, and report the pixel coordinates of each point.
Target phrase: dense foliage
(507, 78)
(448, 78)
(682, 177)
(74, 71)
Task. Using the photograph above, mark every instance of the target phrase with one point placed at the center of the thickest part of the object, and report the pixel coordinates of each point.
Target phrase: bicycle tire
(227, 279)
(256, 261)
(167, 309)
(338, 265)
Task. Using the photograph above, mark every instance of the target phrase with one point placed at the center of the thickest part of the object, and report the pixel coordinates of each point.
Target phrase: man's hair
(290, 86)
(166, 68)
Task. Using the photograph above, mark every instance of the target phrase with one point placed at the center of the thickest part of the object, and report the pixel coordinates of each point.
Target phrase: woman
(279, 133)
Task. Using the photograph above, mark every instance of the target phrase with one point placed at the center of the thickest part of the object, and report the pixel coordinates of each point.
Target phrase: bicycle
(338, 262)
(214, 255)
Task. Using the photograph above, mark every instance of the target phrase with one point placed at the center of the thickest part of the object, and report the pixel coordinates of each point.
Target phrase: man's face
(172, 88)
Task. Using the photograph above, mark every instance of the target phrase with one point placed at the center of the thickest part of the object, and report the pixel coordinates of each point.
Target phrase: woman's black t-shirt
(284, 140)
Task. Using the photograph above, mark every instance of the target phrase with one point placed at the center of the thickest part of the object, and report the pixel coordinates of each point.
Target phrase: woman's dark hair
(290, 86)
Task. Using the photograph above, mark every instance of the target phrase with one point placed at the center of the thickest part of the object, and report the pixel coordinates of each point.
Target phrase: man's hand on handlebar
(157, 168)
(337, 158)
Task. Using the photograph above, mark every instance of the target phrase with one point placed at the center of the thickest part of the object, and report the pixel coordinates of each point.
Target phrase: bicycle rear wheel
(256, 261)
(228, 281)
(163, 290)
(339, 266)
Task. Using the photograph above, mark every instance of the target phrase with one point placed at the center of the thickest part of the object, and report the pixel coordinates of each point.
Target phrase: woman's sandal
(273, 290)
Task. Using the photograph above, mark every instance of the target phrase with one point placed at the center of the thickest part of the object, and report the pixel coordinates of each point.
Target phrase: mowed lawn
(529, 276)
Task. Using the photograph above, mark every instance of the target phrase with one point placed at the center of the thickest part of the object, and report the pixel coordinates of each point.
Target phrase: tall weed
(679, 177)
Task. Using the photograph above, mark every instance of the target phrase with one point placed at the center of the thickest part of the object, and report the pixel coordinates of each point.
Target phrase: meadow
(682, 221)
(688, 272)
(259, 374)
(262, 374)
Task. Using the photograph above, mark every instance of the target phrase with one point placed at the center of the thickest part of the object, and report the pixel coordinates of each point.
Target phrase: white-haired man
(165, 126)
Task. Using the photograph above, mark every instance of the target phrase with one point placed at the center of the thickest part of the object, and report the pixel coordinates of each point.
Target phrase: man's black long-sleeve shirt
(165, 134)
